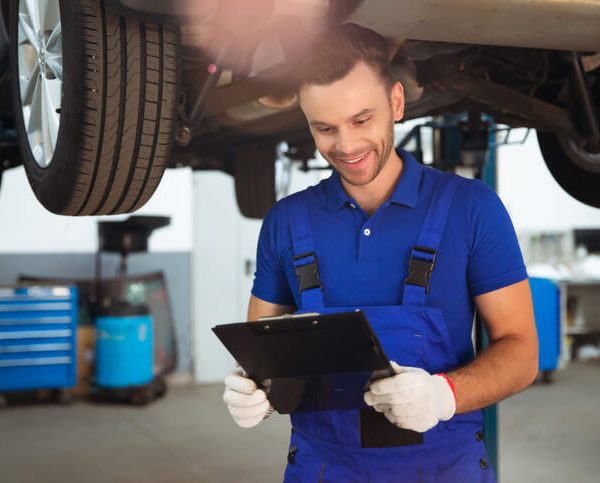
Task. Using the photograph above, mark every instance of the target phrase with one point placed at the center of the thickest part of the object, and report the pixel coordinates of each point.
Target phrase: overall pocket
(400, 333)
(439, 353)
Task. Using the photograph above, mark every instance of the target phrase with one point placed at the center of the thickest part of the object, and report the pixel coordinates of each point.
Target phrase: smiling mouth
(355, 160)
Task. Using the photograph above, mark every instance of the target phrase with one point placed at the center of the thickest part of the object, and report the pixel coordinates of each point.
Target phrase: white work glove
(413, 398)
(247, 404)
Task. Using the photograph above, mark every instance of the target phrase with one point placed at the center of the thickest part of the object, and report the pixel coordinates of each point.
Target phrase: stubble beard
(381, 161)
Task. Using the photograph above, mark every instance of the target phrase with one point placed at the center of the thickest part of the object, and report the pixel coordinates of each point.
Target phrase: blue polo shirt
(363, 260)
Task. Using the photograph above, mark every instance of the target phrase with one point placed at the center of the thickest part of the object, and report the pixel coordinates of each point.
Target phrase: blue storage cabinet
(546, 306)
(38, 329)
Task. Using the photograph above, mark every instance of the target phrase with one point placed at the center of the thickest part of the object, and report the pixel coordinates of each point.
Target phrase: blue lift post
(489, 175)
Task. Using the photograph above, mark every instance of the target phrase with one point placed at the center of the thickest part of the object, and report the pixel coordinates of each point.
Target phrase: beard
(381, 155)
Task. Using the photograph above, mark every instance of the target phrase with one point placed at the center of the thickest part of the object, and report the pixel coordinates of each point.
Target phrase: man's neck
(371, 196)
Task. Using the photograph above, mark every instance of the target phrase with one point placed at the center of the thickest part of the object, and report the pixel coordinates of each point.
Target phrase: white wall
(216, 272)
(224, 241)
(532, 196)
(26, 227)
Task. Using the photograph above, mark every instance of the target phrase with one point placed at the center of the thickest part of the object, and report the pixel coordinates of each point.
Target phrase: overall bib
(345, 446)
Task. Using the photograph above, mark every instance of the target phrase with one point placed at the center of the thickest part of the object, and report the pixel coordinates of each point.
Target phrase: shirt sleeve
(270, 282)
(495, 259)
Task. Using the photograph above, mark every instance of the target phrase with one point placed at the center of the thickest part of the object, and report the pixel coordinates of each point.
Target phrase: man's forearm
(508, 366)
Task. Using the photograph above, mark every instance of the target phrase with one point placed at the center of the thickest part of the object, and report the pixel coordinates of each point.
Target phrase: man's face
(352, 122)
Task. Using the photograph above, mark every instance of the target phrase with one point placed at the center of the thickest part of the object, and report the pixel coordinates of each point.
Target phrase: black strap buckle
(419, 268)
(308, 274)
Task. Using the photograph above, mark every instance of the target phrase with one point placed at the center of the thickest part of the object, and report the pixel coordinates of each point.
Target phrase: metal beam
(506, 100)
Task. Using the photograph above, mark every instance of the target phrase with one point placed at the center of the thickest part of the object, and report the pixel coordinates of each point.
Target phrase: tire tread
(128, 71)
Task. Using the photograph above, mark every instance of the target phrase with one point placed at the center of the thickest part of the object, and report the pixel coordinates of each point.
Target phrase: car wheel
(95, 98)
(263, 175)
(576, 169)
(255, 180)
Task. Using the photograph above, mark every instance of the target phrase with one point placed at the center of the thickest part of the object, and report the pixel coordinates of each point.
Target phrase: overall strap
(423, 256)
(305, 258)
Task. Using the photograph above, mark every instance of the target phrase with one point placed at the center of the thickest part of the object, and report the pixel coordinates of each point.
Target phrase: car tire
(120, 85)
(254, 174)
(576, 171)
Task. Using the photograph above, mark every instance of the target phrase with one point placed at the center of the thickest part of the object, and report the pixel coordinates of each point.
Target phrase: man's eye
(362, 122)
(324, 130)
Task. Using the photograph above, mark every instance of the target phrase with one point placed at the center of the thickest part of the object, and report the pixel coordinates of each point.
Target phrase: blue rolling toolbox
(546, 306)
(38, 328)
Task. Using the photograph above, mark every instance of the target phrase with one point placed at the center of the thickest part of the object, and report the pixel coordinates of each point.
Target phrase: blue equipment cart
(38, 329)
(125, 340)
(124, 347)
(546, 306)
(124, 356)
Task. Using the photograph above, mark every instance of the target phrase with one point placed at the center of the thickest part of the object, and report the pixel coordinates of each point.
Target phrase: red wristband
(450, 383)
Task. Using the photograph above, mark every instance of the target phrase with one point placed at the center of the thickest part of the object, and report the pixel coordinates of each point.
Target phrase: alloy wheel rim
(40, 71)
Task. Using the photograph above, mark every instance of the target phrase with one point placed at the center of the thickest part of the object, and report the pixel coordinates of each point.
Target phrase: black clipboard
(309, 362)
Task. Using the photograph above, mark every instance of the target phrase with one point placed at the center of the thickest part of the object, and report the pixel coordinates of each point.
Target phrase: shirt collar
(405, 193)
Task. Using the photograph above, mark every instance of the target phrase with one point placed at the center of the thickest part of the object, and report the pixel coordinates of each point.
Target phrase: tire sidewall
(566, 166)
(52, 185)
(577, 182)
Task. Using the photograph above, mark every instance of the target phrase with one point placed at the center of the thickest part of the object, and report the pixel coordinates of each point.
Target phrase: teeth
(355, 160)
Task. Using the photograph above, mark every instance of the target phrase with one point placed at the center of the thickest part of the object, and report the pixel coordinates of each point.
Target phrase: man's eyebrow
(363, 112)
(318, 123)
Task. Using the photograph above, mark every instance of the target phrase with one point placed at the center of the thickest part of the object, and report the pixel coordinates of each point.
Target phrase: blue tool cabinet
(38, 328)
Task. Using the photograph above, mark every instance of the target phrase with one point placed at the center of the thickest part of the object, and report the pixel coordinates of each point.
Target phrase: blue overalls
(346, 446)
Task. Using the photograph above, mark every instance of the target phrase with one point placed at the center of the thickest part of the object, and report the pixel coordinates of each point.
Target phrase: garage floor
(547, 434)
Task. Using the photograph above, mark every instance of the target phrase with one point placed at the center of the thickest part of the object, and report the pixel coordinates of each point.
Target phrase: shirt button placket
(366, 245)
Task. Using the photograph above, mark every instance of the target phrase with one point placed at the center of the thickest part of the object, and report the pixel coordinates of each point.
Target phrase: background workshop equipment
(38, 332)
(124, 330)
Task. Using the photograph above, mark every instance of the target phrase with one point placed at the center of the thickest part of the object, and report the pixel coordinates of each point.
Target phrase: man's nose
(344, 142)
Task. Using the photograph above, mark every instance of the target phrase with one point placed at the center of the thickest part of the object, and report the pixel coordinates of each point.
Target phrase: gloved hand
(413, 398)
(247, 404)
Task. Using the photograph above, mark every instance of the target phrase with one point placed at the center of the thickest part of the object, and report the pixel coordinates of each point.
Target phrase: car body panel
(544, 24)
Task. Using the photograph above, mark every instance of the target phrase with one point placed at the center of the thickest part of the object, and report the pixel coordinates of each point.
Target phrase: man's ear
(397, 99)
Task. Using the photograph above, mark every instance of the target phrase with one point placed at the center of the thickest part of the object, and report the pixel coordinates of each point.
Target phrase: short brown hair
(337, 51)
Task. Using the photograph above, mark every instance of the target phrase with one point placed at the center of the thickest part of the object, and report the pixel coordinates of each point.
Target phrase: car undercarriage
(211, 85)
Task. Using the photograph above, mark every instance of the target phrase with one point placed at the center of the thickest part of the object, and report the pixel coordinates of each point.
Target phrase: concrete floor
(547, 434)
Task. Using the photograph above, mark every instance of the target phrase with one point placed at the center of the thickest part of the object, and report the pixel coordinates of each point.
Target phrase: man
(378, 217)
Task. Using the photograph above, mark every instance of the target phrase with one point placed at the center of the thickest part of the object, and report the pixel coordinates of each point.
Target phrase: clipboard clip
(270, 325)
(288, 316)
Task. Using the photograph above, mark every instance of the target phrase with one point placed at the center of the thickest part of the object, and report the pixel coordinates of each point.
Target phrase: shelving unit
(580, 315)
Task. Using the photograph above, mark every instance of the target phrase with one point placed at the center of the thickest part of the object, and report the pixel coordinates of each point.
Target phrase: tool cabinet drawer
(37, 337)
